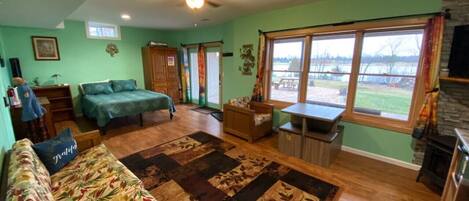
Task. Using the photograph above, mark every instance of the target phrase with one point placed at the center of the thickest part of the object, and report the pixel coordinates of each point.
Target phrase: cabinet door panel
(172, 75)
(159, 69)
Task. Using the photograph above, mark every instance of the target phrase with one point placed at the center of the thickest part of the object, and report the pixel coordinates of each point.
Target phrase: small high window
(97, 30)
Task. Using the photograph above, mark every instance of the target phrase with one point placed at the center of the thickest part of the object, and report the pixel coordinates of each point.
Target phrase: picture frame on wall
(45, 48)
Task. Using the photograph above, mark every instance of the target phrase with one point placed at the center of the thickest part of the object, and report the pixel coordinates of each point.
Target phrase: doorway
(213, 81)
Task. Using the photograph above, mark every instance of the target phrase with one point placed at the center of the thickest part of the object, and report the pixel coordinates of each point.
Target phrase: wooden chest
(319, 148)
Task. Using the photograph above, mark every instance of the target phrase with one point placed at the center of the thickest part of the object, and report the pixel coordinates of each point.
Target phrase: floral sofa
(95, 174)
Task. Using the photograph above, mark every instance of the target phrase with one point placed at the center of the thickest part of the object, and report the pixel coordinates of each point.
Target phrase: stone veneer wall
(453, 105)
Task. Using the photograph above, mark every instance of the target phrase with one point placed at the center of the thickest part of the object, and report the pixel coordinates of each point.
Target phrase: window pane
(327, 89)
(389, 64)
(332, 53)
(385, 96)
(101, 30)
(285, 86)
(396, 52)
(288, 55)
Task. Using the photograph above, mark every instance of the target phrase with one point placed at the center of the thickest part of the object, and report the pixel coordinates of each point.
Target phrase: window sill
(362, 119)
(380, 122)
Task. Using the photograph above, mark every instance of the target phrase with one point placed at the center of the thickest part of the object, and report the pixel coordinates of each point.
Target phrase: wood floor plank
(360, 178)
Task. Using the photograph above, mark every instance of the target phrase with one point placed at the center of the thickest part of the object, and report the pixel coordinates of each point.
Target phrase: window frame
(301, 72)
(359, 29)
(89, 36)
(328, 72)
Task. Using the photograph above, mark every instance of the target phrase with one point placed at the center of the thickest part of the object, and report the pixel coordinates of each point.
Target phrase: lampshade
(195, 4)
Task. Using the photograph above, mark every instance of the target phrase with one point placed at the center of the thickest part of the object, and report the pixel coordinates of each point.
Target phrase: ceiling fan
(197, 4)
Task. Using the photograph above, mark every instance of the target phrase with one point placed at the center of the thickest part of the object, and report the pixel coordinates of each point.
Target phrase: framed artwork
(45, 48)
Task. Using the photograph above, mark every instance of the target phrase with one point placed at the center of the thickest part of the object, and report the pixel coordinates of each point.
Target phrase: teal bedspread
(104, 107)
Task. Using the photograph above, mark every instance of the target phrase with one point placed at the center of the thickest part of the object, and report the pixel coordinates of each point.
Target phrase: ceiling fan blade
(213, 4)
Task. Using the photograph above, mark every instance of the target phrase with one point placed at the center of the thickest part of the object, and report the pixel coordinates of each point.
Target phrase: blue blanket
(104, 107)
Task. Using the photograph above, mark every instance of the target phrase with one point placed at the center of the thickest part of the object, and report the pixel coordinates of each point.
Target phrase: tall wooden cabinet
(160, 65)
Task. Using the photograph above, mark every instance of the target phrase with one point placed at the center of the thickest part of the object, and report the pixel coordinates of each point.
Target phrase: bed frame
(103, 129)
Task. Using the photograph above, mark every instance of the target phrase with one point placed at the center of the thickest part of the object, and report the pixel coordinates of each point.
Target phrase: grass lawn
(379, 97)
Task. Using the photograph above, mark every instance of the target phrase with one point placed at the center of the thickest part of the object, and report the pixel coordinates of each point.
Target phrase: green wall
(6, 131)
(82, 59)
(244, 30)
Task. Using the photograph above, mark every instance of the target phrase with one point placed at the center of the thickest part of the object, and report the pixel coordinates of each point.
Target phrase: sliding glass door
(194, 71)
(213, 77)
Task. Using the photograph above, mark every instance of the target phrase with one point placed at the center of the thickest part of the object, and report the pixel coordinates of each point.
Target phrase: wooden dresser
(21, 128)
(160, 66)
(60, 98)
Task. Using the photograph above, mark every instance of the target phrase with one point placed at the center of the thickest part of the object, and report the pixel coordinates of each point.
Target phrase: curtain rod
(445, 13)
(203, 43)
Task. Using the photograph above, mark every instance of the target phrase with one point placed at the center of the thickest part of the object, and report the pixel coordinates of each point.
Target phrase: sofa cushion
(55, 153)
(96, 174)
(240, 102)
(261, 118)
(123, 85)
(97, 88)
(28, 178)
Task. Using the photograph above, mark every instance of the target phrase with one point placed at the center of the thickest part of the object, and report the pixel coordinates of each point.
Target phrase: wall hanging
(112, 49)
(45, 48)
(248, 63)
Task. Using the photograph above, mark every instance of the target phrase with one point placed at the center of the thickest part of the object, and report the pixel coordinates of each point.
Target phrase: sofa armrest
(227, 107)
(87, 140)
(4, 175)
(259, 107)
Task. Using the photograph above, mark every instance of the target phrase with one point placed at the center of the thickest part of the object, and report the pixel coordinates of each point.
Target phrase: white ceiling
(172, 14)
(36, 13)
(160, 14)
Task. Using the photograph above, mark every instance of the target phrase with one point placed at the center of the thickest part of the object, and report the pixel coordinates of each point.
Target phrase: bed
(121, 103)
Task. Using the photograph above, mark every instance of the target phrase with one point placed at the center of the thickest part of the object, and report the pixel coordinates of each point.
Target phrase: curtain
(427, 120)
(257, 93)
(202, 69)
(185, 77)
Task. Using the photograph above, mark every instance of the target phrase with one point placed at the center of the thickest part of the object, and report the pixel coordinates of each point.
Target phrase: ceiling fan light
(195, 4)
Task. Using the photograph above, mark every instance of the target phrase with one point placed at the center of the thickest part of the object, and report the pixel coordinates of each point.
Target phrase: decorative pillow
(97, 88)
(123, 85)
(240, 102)
(58, 151)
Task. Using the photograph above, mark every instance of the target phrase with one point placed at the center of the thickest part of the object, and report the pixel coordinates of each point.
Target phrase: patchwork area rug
(203, 167)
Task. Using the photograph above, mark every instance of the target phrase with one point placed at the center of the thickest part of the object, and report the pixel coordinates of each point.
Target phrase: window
(330, 68)
(388, 69)
(287, 64)
(98, 30)
(371, 69)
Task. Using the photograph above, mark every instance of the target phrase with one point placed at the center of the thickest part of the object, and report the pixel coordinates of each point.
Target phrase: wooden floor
(360, 178)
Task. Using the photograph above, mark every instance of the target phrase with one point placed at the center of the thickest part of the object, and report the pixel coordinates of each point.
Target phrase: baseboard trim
(381, 158)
